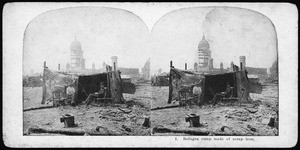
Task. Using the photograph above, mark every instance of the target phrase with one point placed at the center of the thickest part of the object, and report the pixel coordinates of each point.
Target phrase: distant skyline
(194, 18)
(102, 32)
(231, 32)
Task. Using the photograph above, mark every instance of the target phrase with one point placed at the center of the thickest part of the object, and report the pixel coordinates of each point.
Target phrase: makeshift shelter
(212, 84)
(217, 83)
(181, 80)
(127, 86)
(87, 84)
(54, 81)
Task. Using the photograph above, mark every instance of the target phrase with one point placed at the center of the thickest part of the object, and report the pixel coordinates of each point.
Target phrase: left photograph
(86, 71)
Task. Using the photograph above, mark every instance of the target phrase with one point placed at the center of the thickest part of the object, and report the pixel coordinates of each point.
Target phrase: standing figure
(197, 92)
(70, 94)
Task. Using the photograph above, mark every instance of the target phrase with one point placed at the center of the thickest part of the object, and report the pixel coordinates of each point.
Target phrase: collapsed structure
(160, 80)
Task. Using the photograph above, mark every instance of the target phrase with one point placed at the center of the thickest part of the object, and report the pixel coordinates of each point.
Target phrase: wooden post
(241, 64)
(114, 66)
(202, 96)
(115, 87)
(44, 85)
(185, 66)
(170, 84)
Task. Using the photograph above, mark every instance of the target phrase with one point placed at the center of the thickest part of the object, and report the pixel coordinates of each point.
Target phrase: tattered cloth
(182, 79)
(55, 82)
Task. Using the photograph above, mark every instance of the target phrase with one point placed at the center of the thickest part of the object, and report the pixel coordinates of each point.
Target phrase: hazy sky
(231, 32)
(189, 32)
(103, 32)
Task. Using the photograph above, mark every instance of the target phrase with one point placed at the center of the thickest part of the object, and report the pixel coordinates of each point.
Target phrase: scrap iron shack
(212, 84)
(83, 84)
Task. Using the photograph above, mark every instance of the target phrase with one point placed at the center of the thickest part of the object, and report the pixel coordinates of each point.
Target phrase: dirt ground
(108, 118)
(248, 119)
(236, 118)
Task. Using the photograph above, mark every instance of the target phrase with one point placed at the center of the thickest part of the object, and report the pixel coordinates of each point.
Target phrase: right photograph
(214, 73)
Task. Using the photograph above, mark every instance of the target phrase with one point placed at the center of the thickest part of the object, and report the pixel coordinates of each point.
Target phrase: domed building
(76, 53)
(204, 62)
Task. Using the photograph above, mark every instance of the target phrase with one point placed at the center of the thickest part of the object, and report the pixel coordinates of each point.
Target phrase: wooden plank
(195, 131)
(35, 108)
(70, 132)
(173, 106)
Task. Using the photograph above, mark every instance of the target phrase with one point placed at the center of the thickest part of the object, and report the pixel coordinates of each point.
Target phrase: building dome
(75, 45)
(203, 44)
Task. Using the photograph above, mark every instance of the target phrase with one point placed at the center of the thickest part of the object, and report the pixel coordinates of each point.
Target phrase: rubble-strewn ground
(87, 118)
(110, 118)
(235, 117)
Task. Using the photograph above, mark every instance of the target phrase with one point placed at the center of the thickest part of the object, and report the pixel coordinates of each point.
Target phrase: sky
(103, 32)
(231, 32)
(151, 14)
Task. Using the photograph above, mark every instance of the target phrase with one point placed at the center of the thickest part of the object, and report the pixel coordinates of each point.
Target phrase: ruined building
(132, 73)
(260, 73)
(146, 70)
(77, 61)
(114, 62)
(204, 62)
(274, 70)
(76, 53)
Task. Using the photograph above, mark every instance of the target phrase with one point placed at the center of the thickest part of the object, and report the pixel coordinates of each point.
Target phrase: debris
(251, 128)
(97, 111)
(257, 102)
(192, 131)
(173, 123)
(265, 120)
(81, 113)
(98, 127)
(207, 113)
(172, 106)
(193, 119)
(103, 117)
(68, 120)
(211, 134)
(70, 132)
(223, 128)
(146, 122)
(35, 108)
(251, 110)
(272, 122)
(126, 128)
(224, 111)
(257, 116)
(125, 110)
(228, 116)
(268, 104)
(241, 118)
